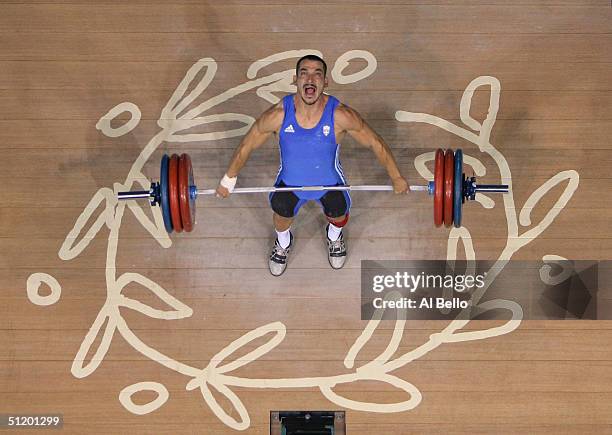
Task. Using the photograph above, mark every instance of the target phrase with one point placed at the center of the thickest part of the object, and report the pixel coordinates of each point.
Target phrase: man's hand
(222, 192)
(226, 186)
(400, 185)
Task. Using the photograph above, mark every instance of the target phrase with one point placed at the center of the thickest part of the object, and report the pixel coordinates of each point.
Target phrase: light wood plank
(340, 311)
(538, 376)
(257, 213)
(357, 161)
(374, 223)
(492, 408)
(406, 46)
(519, 134)
(358, 429)
(190, 252)
(375, 105)
(303, 346)
(518, 3)
(303, 284)
(408, 76)
(232, 18)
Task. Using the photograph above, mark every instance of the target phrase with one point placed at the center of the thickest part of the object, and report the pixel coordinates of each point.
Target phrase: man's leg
(336, 206)
(285, 206)
(334, 229)
(282, 226)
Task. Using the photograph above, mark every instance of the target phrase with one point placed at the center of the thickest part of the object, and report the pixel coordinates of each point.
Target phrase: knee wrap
(283, 203)
(339, 224)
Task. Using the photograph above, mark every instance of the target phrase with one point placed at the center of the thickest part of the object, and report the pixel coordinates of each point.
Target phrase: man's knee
(335, 205)
(283, 204)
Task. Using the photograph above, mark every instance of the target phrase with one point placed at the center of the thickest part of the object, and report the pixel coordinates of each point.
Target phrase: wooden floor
(132, 306)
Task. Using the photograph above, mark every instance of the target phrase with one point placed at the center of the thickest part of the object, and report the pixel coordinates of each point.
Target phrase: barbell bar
(176, 192)
(141, 194)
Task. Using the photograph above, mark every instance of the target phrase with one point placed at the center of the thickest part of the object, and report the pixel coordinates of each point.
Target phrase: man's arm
(350, 120)
(269, 122)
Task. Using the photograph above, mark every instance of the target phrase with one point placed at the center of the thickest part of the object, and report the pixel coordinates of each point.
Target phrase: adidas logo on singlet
(290, 129)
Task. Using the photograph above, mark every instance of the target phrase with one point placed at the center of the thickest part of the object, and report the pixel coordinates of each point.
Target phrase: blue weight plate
(163, 190)
(458, 189)
(192, 194)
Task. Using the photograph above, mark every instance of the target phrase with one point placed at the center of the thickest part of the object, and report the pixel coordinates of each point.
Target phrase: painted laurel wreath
(177, 118)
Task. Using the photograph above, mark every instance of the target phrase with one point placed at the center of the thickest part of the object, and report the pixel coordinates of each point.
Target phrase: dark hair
(311, 57)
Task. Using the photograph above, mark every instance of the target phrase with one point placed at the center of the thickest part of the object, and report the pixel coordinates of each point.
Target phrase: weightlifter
(310, 126)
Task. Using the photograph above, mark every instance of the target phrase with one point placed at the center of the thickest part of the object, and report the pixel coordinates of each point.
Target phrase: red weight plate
(439, 188)
(185, 173)
(173, 193)
(449, 186)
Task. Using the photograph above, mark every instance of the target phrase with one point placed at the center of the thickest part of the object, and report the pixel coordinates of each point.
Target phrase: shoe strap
(279, 255)
(337, 248)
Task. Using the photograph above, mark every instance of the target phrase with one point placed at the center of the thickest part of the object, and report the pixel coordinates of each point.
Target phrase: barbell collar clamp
(153, 194)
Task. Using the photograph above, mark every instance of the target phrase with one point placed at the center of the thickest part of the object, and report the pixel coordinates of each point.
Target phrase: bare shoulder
(271, 120)
(348, 118)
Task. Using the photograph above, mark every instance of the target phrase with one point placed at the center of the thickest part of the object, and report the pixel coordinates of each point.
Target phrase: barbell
(175, 192)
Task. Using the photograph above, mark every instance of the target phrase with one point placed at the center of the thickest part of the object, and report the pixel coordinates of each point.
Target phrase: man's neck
(310, 110)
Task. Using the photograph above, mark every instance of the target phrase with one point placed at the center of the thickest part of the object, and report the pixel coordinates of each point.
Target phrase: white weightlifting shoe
(336, 251)
(279, 257)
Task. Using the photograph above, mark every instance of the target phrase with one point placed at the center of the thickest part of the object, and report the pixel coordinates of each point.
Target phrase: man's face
(310, 81)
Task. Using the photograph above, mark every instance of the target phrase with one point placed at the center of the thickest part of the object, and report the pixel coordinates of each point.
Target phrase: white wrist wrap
(228, 183)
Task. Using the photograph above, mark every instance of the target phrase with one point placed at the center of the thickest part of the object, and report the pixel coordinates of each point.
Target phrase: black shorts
(335, 203)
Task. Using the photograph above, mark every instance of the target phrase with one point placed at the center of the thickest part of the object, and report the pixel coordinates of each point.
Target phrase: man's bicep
(257, 134)
(358, 129)
(262, 128)
(270, 121)
(350, 121)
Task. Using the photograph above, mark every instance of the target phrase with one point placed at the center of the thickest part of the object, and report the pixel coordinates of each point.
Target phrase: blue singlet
(309, 156)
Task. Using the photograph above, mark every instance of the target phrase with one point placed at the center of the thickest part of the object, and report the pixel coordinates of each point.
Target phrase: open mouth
(310, 90)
